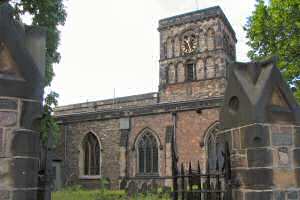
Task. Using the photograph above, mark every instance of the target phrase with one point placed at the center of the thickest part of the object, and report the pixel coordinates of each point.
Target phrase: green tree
(49, 14)
(274, 29)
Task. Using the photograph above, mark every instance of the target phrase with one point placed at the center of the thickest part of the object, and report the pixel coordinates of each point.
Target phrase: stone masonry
(191, 91)
(199, 94)
(266, 169)
(260, 120)
(22, 59)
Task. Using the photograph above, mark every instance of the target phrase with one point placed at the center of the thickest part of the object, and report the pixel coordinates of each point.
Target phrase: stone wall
(119, 155)
(158, 125)
(265, 161)
(22, 59)
(194, 90)
(20, 148)
(117, 103)
(192, 127)
(214, 47)
(202, 22)
(69, 149)
(187, 107)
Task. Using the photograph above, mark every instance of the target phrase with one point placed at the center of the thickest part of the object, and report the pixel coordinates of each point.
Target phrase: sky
(111, 48)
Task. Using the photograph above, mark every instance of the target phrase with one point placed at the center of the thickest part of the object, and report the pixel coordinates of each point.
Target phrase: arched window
(169, 48)
(190, 71)
(202, 41)
(210, 68)
(91, 155)
(210, 39)
(177, 47)
(211, 146)
(147, 154)
(200, 69)
(172, 74)
(180, 73)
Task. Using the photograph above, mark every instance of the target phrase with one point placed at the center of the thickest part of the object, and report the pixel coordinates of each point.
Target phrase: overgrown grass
(77, 193)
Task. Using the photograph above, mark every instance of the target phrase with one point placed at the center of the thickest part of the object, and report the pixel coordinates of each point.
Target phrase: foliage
(48, 123)
(49, 14)
(77, 193)
(274, 29)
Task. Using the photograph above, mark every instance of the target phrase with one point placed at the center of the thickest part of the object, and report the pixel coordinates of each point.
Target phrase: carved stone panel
(277, 99)
(7, 64)
(8, 118)
(8, 104)
(283, 156)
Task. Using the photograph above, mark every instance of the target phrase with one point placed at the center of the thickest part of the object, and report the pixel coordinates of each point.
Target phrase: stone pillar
(259, 121)
(124, 131)
(21, 92)
(265, 161)
(168, 149)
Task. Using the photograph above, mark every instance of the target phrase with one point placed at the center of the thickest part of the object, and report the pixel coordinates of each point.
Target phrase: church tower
(195, 49)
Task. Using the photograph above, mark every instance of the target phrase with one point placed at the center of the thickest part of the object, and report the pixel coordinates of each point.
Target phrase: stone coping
(197, 15)
(100, 103)
(260, 124)
(142, 110)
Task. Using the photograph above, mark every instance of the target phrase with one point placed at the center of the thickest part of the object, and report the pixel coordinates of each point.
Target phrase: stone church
(131, 136)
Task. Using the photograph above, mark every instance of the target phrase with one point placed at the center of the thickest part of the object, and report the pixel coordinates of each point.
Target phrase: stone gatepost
(22, 57)
(259, 121)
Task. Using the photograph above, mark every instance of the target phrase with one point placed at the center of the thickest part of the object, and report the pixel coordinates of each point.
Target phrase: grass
(77, 193)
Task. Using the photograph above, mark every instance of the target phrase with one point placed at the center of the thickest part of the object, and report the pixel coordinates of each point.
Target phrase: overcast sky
(107, 45)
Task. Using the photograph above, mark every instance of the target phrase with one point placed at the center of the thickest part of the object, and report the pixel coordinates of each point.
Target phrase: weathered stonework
(260, 119)
(21, 93)
(214, 49)
(198, 93)
(188, 107)
(256, 169)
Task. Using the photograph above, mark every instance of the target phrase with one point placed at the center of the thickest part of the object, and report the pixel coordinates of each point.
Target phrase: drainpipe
(174, 140)
(174, 156)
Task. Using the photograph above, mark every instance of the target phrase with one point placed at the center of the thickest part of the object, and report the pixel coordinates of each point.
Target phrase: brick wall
(194, 90)
(156, 123)
(190, 133)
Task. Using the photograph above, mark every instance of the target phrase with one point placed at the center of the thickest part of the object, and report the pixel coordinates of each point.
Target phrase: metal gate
(189, 183)
(192, 184)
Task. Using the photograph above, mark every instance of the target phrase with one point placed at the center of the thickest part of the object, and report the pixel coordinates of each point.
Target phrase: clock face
(189, 44)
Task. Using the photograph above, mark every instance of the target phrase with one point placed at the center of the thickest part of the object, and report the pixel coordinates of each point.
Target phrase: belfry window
(91, 155)
(147, 154)
(190, 70)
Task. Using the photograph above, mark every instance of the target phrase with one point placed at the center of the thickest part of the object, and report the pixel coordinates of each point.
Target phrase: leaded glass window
(211, 144)
(211, 151)
(190, 72)
(91, 149)
(147, 154)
